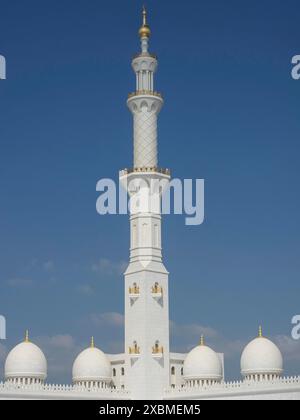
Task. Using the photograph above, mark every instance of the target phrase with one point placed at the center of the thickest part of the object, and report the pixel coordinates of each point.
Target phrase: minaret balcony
(145, 92)
(144, 54)
(153, 169)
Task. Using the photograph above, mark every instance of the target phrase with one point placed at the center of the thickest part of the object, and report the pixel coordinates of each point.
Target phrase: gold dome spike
(144, 31)
(26, 336)
(144, 16)
(260, 332)
(202, 343)
(92, 343)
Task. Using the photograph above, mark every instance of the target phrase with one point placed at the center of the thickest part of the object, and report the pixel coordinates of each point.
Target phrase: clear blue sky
(231, 116)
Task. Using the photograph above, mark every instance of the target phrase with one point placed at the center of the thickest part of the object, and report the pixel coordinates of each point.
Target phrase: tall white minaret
(146, 278)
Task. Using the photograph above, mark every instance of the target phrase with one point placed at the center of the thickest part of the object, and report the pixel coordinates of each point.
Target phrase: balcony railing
(157, 351)
(145, 92)
(163, 171)
(144, 54)
(157, 290)
(135, 290)
(134, 350)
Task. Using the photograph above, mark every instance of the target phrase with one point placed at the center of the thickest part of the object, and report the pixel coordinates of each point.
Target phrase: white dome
(202, 363)
(26, 360)
(92, 365)
(261, 356)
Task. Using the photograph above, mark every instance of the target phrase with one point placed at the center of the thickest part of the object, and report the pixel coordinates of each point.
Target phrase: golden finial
(202, 343)
(144, 31)
(144, 16)
(92, 343)
(260, 333)
(26, 336)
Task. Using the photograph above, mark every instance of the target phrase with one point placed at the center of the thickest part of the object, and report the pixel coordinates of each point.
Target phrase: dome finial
(202, 343)
(92, 343)
(144, 16)
(144, 31)
(26, 336)
(260, 333)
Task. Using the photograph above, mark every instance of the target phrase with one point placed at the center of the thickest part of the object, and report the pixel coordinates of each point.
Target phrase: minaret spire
(144, 16)
(144, 32)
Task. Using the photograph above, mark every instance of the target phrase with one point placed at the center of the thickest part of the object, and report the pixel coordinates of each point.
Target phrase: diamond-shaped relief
(145, 139)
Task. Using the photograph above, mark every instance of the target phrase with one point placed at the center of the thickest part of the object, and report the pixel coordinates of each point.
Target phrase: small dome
(261, 356)
(92, 365)
(26, 360)
(202, 363)
(144, 31)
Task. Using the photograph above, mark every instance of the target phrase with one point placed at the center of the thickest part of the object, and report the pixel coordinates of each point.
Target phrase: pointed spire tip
(144, 31)
(144, 15)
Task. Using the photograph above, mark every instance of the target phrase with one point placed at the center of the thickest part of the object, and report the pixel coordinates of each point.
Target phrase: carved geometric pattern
(145, 138)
